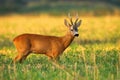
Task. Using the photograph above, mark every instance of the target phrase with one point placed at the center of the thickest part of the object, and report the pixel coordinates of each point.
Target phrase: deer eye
(71, 29)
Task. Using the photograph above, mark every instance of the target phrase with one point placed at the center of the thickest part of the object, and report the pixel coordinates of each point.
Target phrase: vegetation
(58, 7)
(94, 55)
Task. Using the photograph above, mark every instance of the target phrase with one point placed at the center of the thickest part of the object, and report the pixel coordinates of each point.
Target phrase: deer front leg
(53, 57)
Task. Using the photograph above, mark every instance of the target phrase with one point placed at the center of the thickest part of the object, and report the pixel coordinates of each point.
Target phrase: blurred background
(94, 55)
(60, 7)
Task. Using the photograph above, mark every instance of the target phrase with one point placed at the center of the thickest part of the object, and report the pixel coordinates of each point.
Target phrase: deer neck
(67, 39)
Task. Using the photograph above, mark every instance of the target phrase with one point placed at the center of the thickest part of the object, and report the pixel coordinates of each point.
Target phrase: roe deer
(51, 46)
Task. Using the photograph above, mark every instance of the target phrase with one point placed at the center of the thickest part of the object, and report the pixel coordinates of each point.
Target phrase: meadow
(94, 55)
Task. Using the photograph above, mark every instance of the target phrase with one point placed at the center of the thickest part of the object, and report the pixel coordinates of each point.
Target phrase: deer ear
(66, 23)
(78, 23)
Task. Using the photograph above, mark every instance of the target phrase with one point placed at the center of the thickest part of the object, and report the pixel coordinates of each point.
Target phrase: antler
(76, 18)
(70, 18)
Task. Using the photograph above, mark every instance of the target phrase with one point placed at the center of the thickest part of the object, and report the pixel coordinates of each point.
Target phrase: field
(94, 55)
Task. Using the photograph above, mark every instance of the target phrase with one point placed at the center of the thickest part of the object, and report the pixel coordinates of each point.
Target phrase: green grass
(95, 55)
(93, 63)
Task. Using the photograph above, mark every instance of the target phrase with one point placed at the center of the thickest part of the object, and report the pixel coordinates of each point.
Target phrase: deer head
(73, 26)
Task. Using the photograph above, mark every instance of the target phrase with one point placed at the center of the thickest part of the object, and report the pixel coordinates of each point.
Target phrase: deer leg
(21, 56)
(54, 59)
(58, 58)
(18, 58)
(25, 56)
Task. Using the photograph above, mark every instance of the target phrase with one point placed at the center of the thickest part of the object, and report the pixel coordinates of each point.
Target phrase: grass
(94, 55)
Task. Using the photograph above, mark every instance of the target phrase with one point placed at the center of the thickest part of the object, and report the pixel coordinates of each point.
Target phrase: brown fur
(51, 46)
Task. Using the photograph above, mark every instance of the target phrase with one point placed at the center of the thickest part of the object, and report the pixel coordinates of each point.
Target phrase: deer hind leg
(21, 56)
(18, 58)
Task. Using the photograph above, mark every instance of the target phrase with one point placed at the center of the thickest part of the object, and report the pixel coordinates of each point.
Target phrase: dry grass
(92, 28)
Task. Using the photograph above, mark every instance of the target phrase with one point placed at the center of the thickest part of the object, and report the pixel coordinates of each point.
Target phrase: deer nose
(77, 35)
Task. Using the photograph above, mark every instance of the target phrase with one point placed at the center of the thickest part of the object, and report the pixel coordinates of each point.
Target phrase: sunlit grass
(101, 28)
(94, 55)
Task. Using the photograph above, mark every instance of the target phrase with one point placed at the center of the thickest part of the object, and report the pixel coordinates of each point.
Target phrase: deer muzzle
(76, 34)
